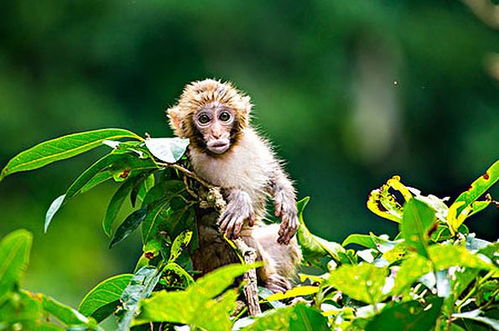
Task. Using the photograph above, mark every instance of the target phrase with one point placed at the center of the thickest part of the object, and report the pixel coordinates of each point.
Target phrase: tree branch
(251, 288)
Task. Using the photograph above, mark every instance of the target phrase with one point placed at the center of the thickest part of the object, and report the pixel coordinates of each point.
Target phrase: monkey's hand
(238, 210)
(285, 207)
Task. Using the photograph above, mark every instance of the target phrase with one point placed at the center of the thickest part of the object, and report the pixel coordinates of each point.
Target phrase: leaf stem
(186, 172)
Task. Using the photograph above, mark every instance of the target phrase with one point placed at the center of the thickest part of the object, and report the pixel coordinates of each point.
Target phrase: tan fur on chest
(246, 166)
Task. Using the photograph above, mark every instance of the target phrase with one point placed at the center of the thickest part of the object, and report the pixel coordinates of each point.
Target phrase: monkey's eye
(224, 116)
(203, 118)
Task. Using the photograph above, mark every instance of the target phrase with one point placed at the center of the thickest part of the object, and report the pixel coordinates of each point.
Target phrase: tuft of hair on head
(202, 93)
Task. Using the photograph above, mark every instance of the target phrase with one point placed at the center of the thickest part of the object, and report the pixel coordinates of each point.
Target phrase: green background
(350, 93)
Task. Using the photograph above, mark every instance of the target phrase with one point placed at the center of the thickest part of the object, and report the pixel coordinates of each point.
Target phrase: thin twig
(188, 189)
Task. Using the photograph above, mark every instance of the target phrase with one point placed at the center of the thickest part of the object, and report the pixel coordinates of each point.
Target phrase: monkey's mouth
(218, 146)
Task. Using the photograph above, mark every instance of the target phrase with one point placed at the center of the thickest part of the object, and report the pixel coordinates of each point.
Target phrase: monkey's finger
(224, 222)
(283, 226)
(289, 231)
(278, 208)
(238, 227)
(251, 220)
(231, 231)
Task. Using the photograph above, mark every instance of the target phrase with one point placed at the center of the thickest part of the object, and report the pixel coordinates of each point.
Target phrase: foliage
(433, 274)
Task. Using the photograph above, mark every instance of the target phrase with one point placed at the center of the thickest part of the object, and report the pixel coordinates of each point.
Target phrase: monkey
(227, 152)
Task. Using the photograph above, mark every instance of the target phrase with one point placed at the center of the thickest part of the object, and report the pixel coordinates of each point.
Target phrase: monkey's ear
(245, 105)
(175, 116)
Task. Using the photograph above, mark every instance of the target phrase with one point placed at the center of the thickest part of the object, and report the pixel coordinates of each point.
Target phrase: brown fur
(249, 173)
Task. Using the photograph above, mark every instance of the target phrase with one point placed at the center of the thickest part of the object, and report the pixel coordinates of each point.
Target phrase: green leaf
(383, 203)
(440, 257)
(144, 187)
(169, 150)
(179, 271)
(129, 225)
(314, 247)
(140, 287)
(297, 317)
(477, 189)
(196, 305)
(297, 291)
(22, 310)
(53, 208)
(359, 239)
(410, 315)
(163, 190)
(115, 205)
(106, 292)
(218, 280)
(125, 163)
(65, 314)
(445, 256)
(99, 178)
(14, 258)
(363, 282)
(476, 315)
(158, 213)
(185, 307)
(179, 244)
(61, 148)
(417, 220)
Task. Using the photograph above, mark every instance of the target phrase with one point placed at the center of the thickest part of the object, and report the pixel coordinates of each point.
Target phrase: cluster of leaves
(433, 274)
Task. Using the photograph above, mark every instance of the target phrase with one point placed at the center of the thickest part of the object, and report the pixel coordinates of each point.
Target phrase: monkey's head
(211, 114)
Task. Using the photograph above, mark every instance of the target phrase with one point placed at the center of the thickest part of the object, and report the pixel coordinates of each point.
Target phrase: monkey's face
(215, 126)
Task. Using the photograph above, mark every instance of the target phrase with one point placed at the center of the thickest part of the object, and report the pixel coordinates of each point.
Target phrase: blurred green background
(350, 92)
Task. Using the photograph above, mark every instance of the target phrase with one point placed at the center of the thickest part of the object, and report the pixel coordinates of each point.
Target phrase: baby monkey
(225, 151)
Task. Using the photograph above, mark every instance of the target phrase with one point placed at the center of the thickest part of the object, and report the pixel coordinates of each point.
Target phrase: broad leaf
(294, 292)
(123, 164)
(65, 314)
(314, 247)
(196, 305)
(23, 311)
(62, 148)
(105, 293)
(169, 150)
(383, 203)
(359, 239)
(144, 186)
(163, 190)
(140, 287)
(407, 316)
(440, 257)
(363, 282)
(179, 271)
(14, 258)
(53, 208)
(464, 202)
(179, 244)
(115, 205)
(99, 178)
(476, 315)
(297, 317)
(156, 214)
(129, 225)
(417, 220)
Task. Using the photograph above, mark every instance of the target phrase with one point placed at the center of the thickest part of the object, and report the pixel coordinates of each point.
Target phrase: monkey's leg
(281, 261)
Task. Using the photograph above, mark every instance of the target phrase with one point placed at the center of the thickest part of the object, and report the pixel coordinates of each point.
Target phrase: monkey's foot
(277, 283)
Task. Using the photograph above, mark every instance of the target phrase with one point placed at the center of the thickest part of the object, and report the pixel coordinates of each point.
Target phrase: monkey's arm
(239, 208)
(285, 205)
